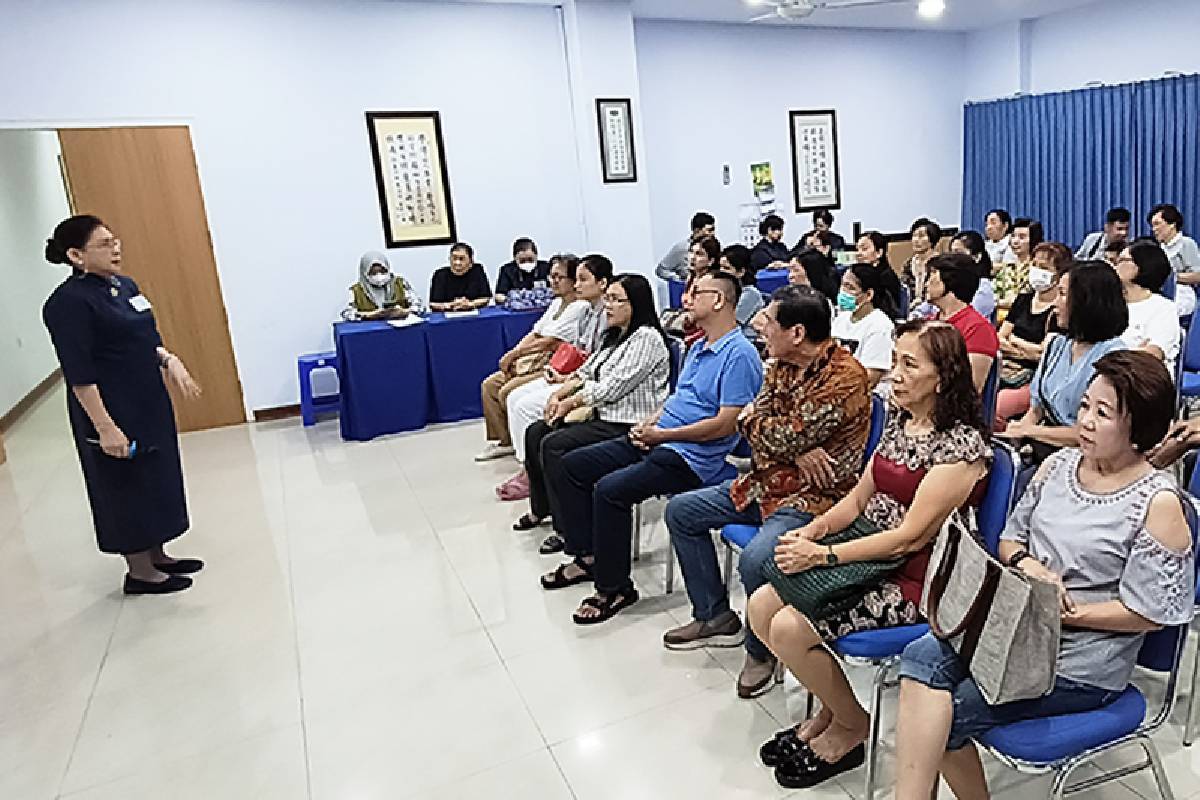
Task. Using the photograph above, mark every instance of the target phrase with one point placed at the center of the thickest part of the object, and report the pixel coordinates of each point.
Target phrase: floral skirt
(883, 607)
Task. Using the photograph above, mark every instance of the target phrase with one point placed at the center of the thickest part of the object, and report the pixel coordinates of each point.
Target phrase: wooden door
(143, 183)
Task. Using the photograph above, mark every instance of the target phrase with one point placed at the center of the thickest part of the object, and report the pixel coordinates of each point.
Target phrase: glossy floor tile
(368, 627)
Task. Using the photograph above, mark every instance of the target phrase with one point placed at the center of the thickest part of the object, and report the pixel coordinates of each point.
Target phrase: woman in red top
(873, 545)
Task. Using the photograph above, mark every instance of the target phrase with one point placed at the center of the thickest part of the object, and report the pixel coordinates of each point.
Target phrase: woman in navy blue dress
(122, 420)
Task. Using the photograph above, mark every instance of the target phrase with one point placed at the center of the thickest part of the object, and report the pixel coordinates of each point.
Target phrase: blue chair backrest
(675, 346)
(991, 388)
(879, 412)
(905, 300)
(998, 499)
(1191, 349)
(1159, 648)
(1168, 287)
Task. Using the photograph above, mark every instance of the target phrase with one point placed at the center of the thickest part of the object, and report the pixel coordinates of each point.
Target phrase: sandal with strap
(527, 522)
(552, 544)
(608, 604)
(560, 579)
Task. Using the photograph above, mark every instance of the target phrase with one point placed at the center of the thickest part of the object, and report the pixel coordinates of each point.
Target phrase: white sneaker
(493, 451)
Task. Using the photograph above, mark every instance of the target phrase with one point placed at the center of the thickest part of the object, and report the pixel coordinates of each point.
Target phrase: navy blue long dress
(102, 338)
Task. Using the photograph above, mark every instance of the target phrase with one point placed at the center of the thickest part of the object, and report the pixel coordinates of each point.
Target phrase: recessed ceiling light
(931, 9)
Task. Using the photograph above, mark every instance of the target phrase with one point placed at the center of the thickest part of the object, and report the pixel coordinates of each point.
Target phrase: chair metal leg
(877, 688)
(637, 532)
(729, 568)
(1156, 766)
(1189, 724)
(670, 568)
(1058, 787)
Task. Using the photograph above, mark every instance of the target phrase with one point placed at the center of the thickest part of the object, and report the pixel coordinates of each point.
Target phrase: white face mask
(527, 266)
(379, 280)
(1040, 279)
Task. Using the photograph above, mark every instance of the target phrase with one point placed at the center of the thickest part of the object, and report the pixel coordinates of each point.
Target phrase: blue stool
(311, 406)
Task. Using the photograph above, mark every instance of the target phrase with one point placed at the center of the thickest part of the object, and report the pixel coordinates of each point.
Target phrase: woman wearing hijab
(379, 294)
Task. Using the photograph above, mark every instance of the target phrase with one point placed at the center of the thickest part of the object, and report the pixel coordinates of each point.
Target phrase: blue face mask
(847, 301)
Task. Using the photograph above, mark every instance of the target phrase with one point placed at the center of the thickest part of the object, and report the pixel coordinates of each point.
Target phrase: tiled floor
(368, 627)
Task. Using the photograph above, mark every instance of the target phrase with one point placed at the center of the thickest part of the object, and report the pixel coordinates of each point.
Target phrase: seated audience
(703, 255)
(1112, 252)
(811, 267)
(821, 241)
(770, 252)
(1105, 527)
(970, 243)
(1090, 310)
(525, 271)
(1116, 229)
(680, 448)
(925, 235)
(1153, 324)
(622, 382)
(736, 259)
(872, 249)
(527, 361)
(1023, 332)
(997, 225)
(461, 286)
(863, 324)
(807, 429)
(873, 546)
(822, 220)
(379, 294)
(674, 265)
(1012, 276)
(953, 281)
(527, 404)
(1167, 224)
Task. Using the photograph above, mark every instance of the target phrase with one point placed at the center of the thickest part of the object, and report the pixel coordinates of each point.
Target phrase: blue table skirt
(401, 379)
(768, 281)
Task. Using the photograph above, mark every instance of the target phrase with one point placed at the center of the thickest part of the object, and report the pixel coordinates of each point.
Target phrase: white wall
(993, 62)
(275, 92)
(715, 94)
(32, 202)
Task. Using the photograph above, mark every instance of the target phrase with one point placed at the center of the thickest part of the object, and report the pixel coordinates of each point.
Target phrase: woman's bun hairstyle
(71, 234)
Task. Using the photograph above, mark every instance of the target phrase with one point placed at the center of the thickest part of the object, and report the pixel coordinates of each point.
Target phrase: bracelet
(1017, 557)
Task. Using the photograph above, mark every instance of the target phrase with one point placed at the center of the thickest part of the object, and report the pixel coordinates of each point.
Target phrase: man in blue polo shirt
(681, 448)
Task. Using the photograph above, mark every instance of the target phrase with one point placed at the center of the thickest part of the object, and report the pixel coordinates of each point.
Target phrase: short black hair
(959, 274)
(1145, 391)
(731, 287)
(803, 305)
(1037, 234)
(823, 215)
(570, 262)
(702, 219)
(1096, 303)
(772, 222)
(523, 244)
(820, 270)
(932, 229)
(1004, 216)
(977, 247)
(1153, 267)
(824, 237)
(1170, 215)
(466, 248)
(738, 256)
(1118, 214)
(600, 266)
(71, 234)
(881, 244)
(710, 246)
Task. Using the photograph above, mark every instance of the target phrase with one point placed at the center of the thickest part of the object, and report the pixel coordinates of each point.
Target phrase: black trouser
(599, 486)
(544, 450)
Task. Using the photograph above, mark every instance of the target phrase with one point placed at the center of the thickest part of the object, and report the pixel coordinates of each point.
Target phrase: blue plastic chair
(1062, 744)
(677, 349)
(905, 300)
(991, 391)
(1189, 725)
(1188, 381)
(311, 406)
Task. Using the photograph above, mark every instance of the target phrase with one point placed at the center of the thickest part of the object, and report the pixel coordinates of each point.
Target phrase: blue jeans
(934, 663)
(691, 517)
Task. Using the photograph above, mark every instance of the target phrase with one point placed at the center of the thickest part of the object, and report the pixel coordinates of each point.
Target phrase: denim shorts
(934, 663)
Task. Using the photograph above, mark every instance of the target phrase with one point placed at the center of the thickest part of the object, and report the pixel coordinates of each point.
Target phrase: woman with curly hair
(861, 565)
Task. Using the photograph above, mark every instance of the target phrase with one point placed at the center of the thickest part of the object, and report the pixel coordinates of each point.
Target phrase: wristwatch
(1017, 558)
(831, 559)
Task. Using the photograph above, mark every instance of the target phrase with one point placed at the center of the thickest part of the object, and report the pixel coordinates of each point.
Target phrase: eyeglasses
(613, 300)
(106, 244)
(697, 292)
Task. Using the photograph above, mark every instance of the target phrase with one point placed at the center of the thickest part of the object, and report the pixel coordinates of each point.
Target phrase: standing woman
(123, 424)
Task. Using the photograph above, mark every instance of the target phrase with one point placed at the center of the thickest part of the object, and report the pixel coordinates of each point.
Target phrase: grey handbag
(1004, 625)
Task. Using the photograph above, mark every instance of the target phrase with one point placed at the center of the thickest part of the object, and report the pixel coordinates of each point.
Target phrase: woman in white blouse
(1153, 325)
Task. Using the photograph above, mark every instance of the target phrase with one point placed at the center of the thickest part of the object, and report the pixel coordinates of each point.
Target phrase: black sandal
(608, 604)
(552, 544)
(527, 522)
(807, 769)
(560, 579)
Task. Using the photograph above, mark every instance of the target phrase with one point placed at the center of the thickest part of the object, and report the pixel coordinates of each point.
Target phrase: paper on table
(411, 319)
(456, 314)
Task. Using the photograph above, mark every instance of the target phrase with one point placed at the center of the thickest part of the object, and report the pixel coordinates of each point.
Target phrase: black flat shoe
(784, 746)
(807, 769)
(552, 544)
(173, 583)
(184, 566)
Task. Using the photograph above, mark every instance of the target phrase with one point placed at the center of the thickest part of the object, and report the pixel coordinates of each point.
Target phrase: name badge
(139, 303)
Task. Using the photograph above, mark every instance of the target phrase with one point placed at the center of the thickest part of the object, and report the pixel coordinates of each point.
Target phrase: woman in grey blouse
(1105, 527)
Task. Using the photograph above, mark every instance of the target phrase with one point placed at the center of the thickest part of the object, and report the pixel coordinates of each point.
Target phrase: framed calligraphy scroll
(614, 116)
(411, 176)
(816, 175)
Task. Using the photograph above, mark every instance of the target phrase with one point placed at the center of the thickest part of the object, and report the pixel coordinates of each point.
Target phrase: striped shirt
(591, 328)
(627, 383)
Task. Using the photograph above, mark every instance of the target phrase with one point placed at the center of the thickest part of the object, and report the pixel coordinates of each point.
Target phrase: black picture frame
(608, 170)
(831, 200)
(446, 231)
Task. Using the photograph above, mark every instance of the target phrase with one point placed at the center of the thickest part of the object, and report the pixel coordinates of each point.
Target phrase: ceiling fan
(795, 10)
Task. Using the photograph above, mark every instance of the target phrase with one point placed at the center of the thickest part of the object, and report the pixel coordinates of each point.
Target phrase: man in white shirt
(1116, 229)
(1167, 224)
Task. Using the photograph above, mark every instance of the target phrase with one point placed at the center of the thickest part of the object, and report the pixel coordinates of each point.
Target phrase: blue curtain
(1066, 158)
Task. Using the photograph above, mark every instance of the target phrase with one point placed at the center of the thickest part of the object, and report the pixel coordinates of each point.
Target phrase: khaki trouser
(494, 392)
